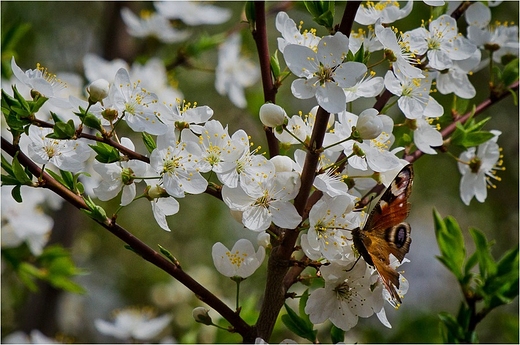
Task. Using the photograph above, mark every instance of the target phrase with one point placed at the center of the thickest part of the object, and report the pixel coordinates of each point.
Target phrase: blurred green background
(61, 33)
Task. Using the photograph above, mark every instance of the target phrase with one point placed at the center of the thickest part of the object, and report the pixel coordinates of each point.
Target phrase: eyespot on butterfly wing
(386, 232)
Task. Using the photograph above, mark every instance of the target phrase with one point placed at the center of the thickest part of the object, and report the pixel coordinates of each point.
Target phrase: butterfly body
(385, 231)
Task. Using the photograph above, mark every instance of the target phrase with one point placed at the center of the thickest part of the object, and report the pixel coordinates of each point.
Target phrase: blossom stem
(237, 300)
(338, 143)
(294, 136)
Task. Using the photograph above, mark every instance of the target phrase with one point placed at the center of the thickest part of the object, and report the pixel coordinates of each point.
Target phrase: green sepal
(149, 142)
(275, 65)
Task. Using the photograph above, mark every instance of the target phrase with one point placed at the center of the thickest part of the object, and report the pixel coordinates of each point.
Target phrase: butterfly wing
(385, 231)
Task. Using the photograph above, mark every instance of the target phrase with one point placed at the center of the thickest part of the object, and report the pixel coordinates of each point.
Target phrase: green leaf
(460, 104)
(451, 243)
(337, 335)
(249, 10)
(55, 176)
(35, 105)
(63, 130)
(298, 325)
(90, 120)
(510, 72)
(275, 65)
(476, 138)
(360, 55)
(69, 179)
(470, 134)
(454, 332)
(470, 263)
(20, 173)
(16, 193)
(322, 12)
(60, 268)
(25, 109)
(94, 211)
(149, 142)
(27, 274)
(487, 265)
(7, 166)
(438, 11)
(169, 255)
(105, 153)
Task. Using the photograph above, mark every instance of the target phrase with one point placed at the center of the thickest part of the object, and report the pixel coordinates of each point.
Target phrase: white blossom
(387, 11)
(241, 261)
(478, 167)
(441, 42)
(141, 109)
(152, 24)
(322, 73)
(291, 33)
(133, 324)
(234, 72)
(193, 12)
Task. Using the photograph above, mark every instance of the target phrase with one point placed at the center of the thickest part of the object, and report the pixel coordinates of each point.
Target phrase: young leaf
(451, 243)
(275, 65)
(486, 262)
(453, 330)
(510, 72)
(298, 325)
(16, 193)
(94, 211)
(105, 153)
(63, 130)
(20, 173)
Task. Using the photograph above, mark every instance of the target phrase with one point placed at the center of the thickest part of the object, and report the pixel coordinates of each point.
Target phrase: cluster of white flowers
(190, 146)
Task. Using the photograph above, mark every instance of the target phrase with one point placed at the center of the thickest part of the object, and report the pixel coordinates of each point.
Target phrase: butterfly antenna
(354, 265)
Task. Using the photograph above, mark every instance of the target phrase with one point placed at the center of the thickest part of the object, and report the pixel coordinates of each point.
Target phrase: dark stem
(150, 255)
(260, 37)
(348, 17)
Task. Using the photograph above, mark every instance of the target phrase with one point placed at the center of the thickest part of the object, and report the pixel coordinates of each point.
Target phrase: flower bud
(155, 192)
(272, 115)
(110, 114)
(201, 315)
(98, 90)
(264, 240)
(369, 124)
(282, 163)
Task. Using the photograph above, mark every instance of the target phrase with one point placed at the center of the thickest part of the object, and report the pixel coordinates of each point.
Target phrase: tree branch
(448, 130)
(150, 255)
(260, 37)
